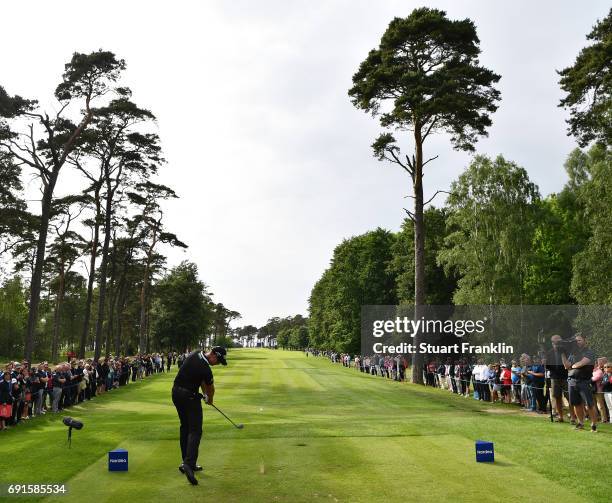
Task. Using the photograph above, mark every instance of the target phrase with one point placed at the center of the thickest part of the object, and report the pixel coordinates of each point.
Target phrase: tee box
(118, 460)
(484, 452)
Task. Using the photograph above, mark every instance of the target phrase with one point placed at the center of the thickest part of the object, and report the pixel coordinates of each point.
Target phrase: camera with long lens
(567, 346)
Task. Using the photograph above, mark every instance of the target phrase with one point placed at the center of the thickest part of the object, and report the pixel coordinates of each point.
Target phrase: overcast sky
(271, 160)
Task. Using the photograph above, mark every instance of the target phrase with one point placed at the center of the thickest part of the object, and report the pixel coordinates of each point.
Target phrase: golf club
(239, 426)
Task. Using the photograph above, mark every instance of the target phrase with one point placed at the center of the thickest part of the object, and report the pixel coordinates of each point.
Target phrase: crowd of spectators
(27, 390)
(569, 378)
(390, 367)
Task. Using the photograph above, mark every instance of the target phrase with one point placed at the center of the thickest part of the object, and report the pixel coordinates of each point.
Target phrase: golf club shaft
(223, 414)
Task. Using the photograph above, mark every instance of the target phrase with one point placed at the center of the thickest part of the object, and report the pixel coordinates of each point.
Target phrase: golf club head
(240, 426)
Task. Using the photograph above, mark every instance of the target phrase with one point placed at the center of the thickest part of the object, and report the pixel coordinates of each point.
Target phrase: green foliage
(359, 274)
(588, 84)
(182, 309)
(89, 75)
(427, 68)
(271, 327)
(493, 210)
(298, 338)
(12, 106)
(291, 331)
(593, 265)
(70, 318)
(13, 316)
(282, 337)
(246, 331)
(16, 223)
(224, 340)
(221, 320)
(440, 284)
(559, 234)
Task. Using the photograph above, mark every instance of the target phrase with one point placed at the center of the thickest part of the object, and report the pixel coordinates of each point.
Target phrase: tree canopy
(588, 87)
(183, 310)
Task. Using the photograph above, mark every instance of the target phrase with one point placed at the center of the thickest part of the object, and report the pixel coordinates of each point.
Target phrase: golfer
(194, 373)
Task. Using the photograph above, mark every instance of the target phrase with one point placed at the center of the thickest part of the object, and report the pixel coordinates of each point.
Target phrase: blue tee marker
(118, 460)
(484, 452)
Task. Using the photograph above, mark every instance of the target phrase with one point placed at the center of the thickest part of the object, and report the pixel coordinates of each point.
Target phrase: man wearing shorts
(558, 377)
(579, 367)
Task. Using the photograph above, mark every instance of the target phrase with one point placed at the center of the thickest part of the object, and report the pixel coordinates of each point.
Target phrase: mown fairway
(313, 432)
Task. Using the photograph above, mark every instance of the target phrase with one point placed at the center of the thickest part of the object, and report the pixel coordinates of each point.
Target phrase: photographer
(579, 365)
(558, 376)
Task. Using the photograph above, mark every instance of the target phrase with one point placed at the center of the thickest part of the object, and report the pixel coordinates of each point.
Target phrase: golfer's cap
(220, 353)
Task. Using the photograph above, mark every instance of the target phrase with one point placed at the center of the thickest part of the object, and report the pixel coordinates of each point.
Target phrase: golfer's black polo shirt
(193, 372)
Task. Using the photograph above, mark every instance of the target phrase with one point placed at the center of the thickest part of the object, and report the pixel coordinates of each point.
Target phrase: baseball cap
(220, 353)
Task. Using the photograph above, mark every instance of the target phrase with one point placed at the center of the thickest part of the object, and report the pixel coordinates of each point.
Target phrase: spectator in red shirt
(506, 381)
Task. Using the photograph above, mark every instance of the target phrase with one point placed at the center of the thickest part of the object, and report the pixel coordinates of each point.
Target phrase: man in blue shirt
(537, 375)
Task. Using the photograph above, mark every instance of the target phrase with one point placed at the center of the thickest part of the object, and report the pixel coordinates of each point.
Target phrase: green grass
(313, 432)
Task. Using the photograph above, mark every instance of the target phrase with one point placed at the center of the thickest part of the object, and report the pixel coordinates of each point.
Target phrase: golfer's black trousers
(189, 410)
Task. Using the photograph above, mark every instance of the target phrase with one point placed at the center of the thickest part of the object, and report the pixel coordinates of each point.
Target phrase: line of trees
(184, 314)
(496, 240)
(82, 271)
(290, 332)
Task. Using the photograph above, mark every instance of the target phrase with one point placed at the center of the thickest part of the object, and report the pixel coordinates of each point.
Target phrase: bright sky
(271, 160)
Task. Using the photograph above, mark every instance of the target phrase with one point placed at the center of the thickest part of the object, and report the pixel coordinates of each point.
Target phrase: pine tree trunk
(57, 313)
(39, 262)
(111, 304)
(120, 307)
(90, 281)
(142, 343)
(121, 299)
(118, 336)
(147, 330)
(103, 269)
(419, 252)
